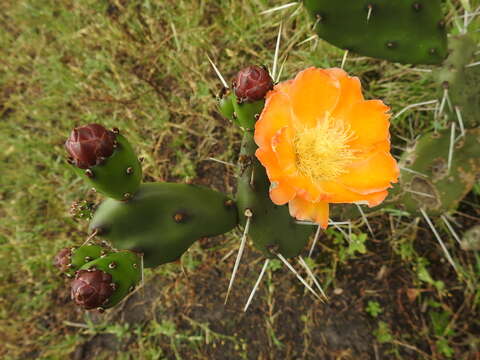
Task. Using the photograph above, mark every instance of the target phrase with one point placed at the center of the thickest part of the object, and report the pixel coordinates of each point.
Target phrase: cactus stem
(278, 8)
(450, 148)
(219, 74)
(451, 229)
(226, 163)
(275, 55)
(408, 107)
(302, 280)
(366, 220)
(240, 251)
(315, 239)
(310, 273)
(257, 283)
(439, 239)
(344, 59)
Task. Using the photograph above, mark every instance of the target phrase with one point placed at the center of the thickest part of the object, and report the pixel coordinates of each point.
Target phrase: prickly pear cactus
(434, 186)
(460, 83)
(106, 160)
(271, 227)
(111, 278)
(162, 220)
(70, 260)
(407, 31)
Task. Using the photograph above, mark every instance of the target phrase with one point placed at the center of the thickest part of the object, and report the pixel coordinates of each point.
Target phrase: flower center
(322, 153)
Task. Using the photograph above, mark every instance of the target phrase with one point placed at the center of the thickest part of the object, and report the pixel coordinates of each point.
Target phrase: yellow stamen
(322, 152)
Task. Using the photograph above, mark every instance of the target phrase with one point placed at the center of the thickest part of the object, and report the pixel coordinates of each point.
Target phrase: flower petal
(275, 115)
(313, 93)
(369, 122)
(374, 174)
(282, 145)
(281, 192)
(350, 92)
(302, 209)
(340, 194)
(267, 158)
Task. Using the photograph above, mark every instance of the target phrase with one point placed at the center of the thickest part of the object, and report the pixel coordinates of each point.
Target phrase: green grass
(141, 66)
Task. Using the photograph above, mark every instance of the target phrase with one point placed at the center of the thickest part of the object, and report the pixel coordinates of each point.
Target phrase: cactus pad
(271, 226)
(69, 260)
(438, 190)
(462, 83)
(407, 31)
(162, 220)
(119, 175)
(125, 269)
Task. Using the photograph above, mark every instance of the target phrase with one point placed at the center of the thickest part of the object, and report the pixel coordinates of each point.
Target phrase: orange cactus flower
(321, 142)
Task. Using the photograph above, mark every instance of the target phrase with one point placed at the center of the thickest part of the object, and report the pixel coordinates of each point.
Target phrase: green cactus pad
(462, 83)
(119, 175)
(162, 220)
(407, 31)
(246, 113)
(271, 226)
(125, 267)
(225, 107)
(82, 255)
(443, 189)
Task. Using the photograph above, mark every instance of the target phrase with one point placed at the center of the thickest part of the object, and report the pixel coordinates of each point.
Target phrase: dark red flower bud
(91, 288)
(62, 259)
(252, 83)
(87, 145)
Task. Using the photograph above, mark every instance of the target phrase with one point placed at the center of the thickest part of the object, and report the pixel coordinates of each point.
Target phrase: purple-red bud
(88, 145)
(91, 288)
(252, 83)
(62, 259)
